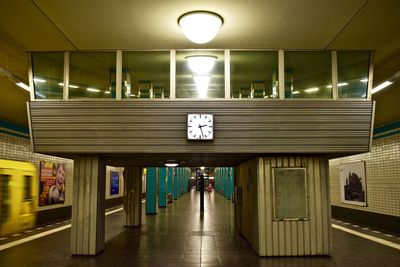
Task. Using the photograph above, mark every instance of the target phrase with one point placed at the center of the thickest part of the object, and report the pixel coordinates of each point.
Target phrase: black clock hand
(201, 131)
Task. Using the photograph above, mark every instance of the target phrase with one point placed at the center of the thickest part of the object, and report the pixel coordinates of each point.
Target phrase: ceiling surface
(76, 25)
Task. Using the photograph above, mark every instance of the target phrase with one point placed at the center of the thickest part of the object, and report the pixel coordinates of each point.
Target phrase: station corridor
(180, 236)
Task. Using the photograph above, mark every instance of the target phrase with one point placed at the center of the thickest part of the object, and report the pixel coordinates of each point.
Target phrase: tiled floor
(181, 236)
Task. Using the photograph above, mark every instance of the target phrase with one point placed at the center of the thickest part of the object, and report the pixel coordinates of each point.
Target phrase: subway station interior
(200, 133)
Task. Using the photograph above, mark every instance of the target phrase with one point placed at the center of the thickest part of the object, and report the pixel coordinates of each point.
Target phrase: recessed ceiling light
(342, 84)
(201, 64)
(365, 80)
(329, 86)
(295, 92)
(200, 26)
(381, 86)
(202, 168)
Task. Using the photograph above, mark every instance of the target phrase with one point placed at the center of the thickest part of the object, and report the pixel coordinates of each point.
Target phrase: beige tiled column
(88, 206)
(133, 196)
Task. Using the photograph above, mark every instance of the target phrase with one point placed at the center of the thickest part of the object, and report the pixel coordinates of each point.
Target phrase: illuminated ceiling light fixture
(200, 27)
(94, 90)
(295, 92)
(365, 80)
(39, 80)
(18, 81)
(201, 64)
(311, 90)
(24, 86)
(342, 84)
(70, 86)
(202, 168)
(171, 163)
(381, 86)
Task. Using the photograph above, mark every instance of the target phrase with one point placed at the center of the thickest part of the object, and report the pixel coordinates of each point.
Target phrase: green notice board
(290, 193)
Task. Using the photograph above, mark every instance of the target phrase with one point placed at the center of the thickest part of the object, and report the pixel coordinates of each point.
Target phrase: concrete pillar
(133, 196)
(88, 206)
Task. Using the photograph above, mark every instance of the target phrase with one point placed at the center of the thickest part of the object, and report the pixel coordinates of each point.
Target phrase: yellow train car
(18, 196)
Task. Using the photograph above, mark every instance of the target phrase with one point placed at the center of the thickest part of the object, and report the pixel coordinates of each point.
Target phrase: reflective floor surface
(180, 236)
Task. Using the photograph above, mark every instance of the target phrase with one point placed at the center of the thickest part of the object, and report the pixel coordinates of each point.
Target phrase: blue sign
(114, 183)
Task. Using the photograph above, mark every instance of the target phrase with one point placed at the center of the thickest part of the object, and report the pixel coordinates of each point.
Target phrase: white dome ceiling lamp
(200, 27)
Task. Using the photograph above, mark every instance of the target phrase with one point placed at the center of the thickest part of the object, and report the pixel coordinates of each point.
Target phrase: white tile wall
(382, 177)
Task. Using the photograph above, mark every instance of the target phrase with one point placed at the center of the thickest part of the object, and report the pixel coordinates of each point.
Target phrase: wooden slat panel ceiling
(159, 126)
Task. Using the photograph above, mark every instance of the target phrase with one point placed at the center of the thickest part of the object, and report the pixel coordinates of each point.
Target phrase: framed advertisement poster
(352, 183)
(114, 183)
(52, 183)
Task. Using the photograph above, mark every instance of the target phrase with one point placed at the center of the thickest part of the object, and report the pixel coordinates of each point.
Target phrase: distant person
(209, 189)
(57, 191)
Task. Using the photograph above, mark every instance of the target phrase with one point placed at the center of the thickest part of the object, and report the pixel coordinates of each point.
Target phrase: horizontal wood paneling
(155, 126)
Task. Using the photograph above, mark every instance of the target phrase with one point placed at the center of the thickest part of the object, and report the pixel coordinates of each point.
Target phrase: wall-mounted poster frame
(114, 183)
(289, 188)
(52, 183)
(353, 183)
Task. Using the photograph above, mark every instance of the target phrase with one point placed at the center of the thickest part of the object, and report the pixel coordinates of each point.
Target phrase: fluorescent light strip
(39, 80)
(342, 84)
(24, 86)
(295, 92)
(311, 90)
(70, 86)
(94, 90)
(381, 86)
(364, 80)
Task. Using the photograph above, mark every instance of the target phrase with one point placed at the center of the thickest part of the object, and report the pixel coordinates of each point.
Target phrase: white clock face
(200, 127)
